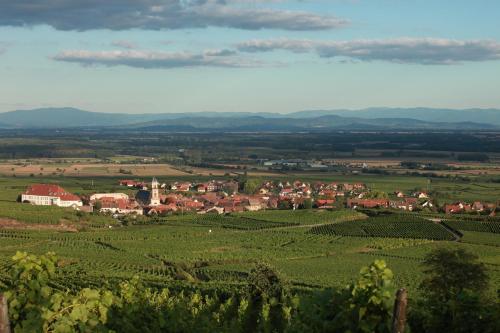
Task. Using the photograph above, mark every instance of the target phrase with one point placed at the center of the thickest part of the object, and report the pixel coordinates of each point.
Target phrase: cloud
(158, 14)
(151, 59)
(124, 44)
(424, 51)
(220, 53)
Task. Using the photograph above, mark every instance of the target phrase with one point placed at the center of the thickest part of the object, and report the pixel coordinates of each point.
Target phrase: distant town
(229, 196)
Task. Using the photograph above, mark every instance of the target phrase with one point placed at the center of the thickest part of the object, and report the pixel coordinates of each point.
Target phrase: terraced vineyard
(268, 219)
(304, 217)
(230, 222)
(217, 252)
(478, 226)
(395, 226)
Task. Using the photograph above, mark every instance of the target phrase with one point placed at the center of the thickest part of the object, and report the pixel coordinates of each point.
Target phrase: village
(228, 196)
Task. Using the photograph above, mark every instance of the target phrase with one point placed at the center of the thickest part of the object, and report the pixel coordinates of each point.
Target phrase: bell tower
(155, 194)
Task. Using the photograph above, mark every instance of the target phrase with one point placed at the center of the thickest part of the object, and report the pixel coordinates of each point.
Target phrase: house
(161, 209)
(408, 204)
(190, 204)
(214, 186)
(421, 195)
(50, 195)
(118, 206)
(181, 187)
(367, 203)
(286, 192)
(128, 183)
(399, 194)
(325, 203)
(458, 207)
(327, 193)
(201, 188)
(184, 187)
(254, 204)
(478, 206)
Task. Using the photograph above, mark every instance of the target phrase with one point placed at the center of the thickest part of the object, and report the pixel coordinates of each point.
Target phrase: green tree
(97, 206)
(284, 205)
(307, 204)
(376, 195)
(365, 306)
(451, 272)
(453, 295)
(252, 185)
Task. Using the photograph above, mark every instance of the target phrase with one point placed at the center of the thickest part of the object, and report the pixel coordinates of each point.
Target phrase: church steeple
(155, 194)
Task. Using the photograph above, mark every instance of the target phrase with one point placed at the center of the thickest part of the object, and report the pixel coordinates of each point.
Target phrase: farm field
(89, 168)
(218, 252)
(311, 248)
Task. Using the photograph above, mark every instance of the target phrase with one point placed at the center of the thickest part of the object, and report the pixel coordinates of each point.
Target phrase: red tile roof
(50, 190)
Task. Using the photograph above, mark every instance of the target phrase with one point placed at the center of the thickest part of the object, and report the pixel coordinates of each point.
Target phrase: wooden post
(4, 315)
(399, 315)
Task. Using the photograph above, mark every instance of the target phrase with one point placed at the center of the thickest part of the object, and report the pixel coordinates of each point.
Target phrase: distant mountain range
(315, 120)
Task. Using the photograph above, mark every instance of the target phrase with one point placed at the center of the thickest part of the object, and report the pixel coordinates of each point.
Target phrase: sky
(152, 56)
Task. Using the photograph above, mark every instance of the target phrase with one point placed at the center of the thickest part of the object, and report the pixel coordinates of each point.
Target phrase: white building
(50, 195)
(98, 196)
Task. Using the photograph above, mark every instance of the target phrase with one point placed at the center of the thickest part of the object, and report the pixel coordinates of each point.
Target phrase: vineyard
(266, 219)
(229, 221)
(311, 248)
(51, 215)
(303, 217)
(394, 226)
(472, 225)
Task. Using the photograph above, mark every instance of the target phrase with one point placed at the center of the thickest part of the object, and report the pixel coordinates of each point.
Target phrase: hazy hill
(485, 116)
(381, 118)
(331, 122)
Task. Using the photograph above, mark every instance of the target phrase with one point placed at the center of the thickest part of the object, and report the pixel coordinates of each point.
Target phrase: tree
(251, 186)
(451, 272)
(453, 295)
(307, 204)
(364, 306)
(264, 281)
(266, 311)
(376, 195)
(97, 206)
(284, 205)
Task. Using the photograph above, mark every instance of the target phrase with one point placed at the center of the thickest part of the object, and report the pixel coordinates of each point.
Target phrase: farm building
(50, 195)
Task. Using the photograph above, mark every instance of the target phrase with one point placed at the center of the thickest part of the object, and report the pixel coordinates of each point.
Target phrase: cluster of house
(401, 201)
(223, 197)
(477, 206)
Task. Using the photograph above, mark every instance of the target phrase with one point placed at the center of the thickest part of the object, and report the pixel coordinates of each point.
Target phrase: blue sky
(247, 55)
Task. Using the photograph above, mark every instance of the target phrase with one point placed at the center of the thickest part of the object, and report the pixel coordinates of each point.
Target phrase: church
(149, 198)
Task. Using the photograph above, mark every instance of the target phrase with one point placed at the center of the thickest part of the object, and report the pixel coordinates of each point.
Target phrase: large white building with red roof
(50, 195)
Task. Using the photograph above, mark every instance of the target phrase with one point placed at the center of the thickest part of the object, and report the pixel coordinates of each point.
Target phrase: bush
(265, 306)
(365, 306)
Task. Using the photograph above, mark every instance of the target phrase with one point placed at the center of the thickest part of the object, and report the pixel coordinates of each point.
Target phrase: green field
(311, 248)
(218, 252)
